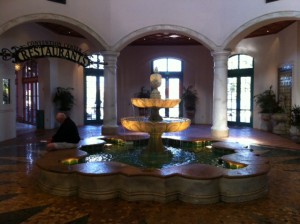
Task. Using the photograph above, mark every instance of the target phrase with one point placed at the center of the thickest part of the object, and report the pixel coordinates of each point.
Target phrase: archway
(191, 55)
(86, 31)
(271, 53)
(164, 28)
(246, 28)
(92, 41)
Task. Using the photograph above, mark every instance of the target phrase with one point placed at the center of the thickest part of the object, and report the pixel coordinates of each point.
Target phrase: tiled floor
(21, 201)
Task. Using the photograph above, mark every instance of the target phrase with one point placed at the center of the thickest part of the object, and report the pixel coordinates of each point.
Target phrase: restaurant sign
(42, 49)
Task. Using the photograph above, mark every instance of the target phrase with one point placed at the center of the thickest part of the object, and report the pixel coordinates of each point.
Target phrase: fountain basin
(142, 124)
(193, 183)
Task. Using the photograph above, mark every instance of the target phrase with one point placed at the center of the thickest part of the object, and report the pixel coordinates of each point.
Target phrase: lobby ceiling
(169, 38)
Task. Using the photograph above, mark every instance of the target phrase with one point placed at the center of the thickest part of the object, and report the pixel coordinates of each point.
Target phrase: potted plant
(64, 99)
(143, 93)
(268, 105)
(295, 120)
(189, 99)
(267, 102)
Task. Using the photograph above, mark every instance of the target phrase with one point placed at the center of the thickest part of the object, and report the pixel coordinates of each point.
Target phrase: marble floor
(21, 200)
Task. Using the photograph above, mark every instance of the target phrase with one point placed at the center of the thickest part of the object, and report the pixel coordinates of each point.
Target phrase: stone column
(110, 125)
(219, 127)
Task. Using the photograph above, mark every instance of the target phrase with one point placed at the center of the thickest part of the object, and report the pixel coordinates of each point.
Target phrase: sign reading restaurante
(41, 49)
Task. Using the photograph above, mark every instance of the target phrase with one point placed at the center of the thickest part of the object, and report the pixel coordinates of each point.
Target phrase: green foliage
(295, 115)
(267, 102)
(64, 99)
(189, 97)
(143, 93)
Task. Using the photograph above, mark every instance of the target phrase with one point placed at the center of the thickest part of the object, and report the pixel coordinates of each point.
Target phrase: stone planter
(190, 114)
(294, 130)
(280, 123)
(266, 122)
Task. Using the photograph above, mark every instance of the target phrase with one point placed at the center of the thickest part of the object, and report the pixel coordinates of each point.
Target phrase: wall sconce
(17, 67)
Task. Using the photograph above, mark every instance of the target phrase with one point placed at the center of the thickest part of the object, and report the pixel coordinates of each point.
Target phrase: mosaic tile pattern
(21, 201)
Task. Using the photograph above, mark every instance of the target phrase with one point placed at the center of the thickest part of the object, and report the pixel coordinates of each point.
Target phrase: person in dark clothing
(67, 135)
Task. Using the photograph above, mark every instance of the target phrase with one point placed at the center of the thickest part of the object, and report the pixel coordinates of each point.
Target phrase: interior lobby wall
(289, 55)
(58, 72)
(134, 69)
(270, 53)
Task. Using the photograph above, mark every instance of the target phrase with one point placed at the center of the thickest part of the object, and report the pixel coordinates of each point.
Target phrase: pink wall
(134, 69)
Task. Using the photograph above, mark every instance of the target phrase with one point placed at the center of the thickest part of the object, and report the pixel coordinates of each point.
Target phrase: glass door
(239, 101)
(169, 89)
(240, 90)
(94, 96)
(30, 92)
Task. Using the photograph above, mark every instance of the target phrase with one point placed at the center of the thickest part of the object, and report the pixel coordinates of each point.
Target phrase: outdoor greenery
(64, 99)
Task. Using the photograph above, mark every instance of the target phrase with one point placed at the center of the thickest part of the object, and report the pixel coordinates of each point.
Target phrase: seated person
(67, 135)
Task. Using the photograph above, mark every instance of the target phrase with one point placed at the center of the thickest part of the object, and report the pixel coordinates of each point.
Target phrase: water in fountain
(133, 153)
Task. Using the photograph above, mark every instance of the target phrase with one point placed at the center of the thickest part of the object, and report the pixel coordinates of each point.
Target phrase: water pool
(135, 155)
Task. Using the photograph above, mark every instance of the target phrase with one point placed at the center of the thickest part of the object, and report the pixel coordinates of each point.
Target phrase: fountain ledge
(193, 183)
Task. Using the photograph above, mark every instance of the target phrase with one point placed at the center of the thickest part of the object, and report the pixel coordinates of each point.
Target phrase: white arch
(253, 24)
(163, 28)
(90, 34)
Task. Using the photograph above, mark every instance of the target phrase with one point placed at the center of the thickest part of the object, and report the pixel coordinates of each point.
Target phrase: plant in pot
(64, 99)
(295, 120)
(143, 93)
(266, 101)
(189, 99)
(268, 105)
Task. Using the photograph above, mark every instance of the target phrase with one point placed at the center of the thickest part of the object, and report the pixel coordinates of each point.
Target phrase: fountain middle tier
(157, 103)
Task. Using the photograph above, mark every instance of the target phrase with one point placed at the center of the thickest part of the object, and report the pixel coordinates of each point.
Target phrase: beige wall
(112, 20)
(270, 53)
(113, 24)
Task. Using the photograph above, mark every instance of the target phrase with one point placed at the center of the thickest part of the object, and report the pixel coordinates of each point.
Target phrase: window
(97, 61)
(94, 90)
(240, 61)
(6, 91)
(171, 72)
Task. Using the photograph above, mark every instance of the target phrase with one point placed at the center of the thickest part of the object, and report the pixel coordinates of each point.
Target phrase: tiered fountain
(155, 125)
(195, 183)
